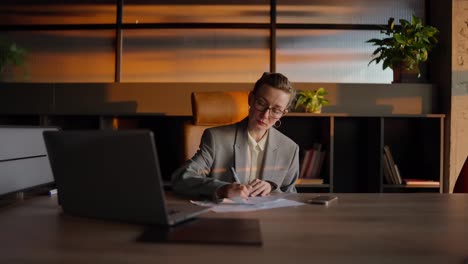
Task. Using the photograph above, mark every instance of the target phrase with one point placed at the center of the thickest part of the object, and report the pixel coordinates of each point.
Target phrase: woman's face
(266, 107)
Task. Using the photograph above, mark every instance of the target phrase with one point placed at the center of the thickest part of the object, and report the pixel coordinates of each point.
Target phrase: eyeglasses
(262, 105)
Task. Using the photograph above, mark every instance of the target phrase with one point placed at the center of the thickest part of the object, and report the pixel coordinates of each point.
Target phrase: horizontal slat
(22, 174)
(18, 142)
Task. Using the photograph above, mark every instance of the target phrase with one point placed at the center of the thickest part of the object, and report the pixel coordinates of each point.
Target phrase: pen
(236, 177)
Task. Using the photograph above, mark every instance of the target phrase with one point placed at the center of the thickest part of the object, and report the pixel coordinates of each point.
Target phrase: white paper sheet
(252, 204)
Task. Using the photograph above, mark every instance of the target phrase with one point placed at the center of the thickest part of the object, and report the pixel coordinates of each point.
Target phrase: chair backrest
(213, 109)
(461, 185)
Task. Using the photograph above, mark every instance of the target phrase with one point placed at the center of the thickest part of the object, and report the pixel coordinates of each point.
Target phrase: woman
(249, 158)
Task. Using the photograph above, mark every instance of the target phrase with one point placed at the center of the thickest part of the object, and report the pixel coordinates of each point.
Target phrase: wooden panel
(17, 98)
(376, 99)
(125, 98)
(174, 98)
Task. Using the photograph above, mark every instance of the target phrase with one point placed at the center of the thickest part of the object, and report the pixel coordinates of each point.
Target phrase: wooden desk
(360, 228)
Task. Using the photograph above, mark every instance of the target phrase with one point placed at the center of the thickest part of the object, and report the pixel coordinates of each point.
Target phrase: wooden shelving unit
(354, 144)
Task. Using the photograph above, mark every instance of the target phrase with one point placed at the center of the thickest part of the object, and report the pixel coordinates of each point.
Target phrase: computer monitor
(24, 163)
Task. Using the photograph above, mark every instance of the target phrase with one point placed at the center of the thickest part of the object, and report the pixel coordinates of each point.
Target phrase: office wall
(459, 90)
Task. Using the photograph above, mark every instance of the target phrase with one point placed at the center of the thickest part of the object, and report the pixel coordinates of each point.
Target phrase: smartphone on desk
(323, 199)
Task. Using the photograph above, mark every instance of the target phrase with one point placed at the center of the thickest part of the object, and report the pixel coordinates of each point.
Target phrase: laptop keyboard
(179, 212)
(173, 211)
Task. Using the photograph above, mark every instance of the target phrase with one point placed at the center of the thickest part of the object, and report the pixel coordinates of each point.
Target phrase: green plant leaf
(391, 23)
(311, 100)
(10, 54)
(409, 42)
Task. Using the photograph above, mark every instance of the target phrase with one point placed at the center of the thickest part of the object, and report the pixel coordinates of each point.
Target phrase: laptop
(112, 175)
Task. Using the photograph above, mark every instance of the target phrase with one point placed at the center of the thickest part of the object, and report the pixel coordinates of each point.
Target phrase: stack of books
(311, 166)
(392, 173)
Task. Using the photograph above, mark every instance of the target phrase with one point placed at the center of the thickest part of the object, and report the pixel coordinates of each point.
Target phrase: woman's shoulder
(282, 138)
(222, 128)
(222, 131)
(228, 128)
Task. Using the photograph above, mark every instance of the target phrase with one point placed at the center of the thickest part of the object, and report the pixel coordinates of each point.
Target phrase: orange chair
(213, 109)
(461, 185)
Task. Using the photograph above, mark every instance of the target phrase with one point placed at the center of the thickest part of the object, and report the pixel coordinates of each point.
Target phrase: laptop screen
(108, 174)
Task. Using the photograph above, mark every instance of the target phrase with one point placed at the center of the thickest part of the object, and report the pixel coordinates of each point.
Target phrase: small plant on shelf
(10, 54)
(311, 101)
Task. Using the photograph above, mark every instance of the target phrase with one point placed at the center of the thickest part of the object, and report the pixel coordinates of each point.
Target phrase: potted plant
(405, 46)
(10, 54)
(311, 101)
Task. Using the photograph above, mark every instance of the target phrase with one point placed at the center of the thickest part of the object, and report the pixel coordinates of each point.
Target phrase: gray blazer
(226, 146)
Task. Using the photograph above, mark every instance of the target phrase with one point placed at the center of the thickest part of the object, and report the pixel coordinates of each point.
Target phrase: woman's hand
(234, 190)
(260, 188)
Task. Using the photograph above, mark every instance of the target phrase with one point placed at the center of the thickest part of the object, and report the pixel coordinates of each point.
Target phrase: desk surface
(360, 228)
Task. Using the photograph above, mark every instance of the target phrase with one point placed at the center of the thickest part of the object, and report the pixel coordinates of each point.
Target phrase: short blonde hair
(278, 81)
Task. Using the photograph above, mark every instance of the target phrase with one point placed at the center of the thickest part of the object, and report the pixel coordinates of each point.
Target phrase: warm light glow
(67, 56)
(57, 14)
(232, 13)
(406, 105)
(195, 55)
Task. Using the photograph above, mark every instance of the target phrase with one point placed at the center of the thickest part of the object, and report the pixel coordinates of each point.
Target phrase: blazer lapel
(240, 151)
(271, 155)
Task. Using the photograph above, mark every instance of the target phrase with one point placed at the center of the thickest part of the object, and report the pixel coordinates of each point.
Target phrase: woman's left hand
(260, 188)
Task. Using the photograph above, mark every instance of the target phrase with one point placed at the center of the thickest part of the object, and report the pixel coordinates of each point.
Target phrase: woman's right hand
(234, 190)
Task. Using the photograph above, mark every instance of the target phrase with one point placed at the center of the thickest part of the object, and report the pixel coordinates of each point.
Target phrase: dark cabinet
(354, 148)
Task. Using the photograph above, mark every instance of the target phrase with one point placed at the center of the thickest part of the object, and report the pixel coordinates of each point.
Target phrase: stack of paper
(252, 204)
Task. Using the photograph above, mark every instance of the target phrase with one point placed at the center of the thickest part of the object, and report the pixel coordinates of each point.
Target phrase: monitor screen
(24, 163)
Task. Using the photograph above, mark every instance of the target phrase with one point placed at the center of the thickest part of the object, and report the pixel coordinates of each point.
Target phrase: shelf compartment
(416, 146)
(356, 154)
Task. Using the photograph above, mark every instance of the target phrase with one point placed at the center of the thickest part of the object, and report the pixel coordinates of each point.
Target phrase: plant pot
(317, 110)
(397, 70)
(313, 110)
(401, 74)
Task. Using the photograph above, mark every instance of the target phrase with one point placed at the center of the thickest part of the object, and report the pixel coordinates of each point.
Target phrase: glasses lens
(276, 113)
(262, 106)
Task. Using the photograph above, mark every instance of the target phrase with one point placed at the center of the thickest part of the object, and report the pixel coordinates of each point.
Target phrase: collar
(261, 144)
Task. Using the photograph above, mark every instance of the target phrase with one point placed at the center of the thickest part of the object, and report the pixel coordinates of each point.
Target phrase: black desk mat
(207, 231)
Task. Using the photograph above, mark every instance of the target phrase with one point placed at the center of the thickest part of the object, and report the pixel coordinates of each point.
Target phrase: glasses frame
(264, 108)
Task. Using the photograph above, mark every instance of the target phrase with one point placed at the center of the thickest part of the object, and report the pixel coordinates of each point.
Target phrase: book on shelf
(393, 171)
(421, 182)
(317, 169)
(309, 181)
(386, 170)
(312, 162)
(398, 176)
(306, 162)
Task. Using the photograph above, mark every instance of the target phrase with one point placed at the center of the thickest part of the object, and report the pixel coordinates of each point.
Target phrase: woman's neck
(257, 134)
